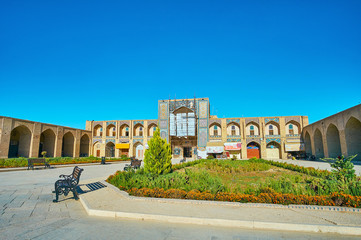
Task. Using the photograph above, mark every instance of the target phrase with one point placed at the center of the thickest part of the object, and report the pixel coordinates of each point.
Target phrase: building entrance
(187, 152)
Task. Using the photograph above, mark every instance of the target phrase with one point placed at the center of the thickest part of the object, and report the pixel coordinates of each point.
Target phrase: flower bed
(335, 199)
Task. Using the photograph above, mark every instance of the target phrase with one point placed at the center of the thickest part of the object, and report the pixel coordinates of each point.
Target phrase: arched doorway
(353, 137)
(20, 139)
(273, 150)
(68, 145)
(253, 150)
(110, 149)
(96, 149)
(84, 146)
(139, 151)
(47, 143)
(317, 139)
(333, 141)
(308, 146)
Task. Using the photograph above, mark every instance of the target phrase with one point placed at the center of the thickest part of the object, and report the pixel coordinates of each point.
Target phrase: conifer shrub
(158, 157)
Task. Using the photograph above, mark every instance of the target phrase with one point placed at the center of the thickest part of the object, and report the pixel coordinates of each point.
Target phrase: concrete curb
(345, 230)
(261, 205)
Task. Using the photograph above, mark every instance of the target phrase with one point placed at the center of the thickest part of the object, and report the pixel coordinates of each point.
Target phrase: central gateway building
(192, 132)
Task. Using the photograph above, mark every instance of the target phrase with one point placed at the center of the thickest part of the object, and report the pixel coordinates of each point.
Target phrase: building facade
(23, 138)
(193, 132)
(339, 134)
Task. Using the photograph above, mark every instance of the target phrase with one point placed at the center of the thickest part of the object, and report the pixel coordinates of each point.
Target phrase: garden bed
(254, 180)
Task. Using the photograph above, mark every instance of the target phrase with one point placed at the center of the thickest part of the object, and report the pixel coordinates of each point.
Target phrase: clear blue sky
(64, 62)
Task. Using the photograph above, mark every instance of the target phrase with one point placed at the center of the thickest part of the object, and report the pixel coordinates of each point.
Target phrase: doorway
(187, 152)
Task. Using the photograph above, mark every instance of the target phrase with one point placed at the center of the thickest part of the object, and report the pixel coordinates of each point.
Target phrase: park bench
(68, 183)
(31, 162)
(134, 164)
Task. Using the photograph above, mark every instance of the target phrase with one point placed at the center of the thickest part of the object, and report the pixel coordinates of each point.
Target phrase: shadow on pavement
(90, 187)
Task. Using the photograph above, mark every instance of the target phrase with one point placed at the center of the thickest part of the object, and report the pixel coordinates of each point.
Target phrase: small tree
(158, 157)
(43, 153)
(343, 168)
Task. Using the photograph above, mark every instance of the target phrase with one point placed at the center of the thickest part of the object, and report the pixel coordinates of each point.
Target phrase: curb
(238, 204)
(223, 222)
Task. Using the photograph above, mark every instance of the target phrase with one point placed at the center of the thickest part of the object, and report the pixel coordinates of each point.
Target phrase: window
(154, 129)
(140, 131)
(215, 130)
(127, 132)
(290, 129)
(252, 130)
(113, 131)
(100, 131)
(233, 130)
(270, 129)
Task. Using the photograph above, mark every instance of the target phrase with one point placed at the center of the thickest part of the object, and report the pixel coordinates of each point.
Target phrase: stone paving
(27, 212)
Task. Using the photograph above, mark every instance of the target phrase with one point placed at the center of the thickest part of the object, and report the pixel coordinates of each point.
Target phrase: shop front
(215, 149)
(234, 149)
(123, 149)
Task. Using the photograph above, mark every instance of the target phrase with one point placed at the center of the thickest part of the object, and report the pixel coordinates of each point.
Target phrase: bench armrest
(65, 176)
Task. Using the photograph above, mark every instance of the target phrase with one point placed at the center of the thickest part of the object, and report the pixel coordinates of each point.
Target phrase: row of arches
(124, 130)
(138, 150)
(332, 139)
(21, 138)
(253, 129)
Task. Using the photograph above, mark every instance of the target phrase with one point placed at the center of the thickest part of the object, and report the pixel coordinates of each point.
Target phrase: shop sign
(233, 146)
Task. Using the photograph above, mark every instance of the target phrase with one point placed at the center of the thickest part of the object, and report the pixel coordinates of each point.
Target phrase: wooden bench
(134, 164)
(68, 183)
(31, 162)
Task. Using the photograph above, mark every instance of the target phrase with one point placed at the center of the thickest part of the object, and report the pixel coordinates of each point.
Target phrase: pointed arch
(333, 141)
(272, 128)
(68, 145)
(98, 130)
(317, 139)
(96, 148)
(138, 150)
(47, 143)
(138, 130)
(292, 128)
(110, 149)
(233, 129)
(151, 129)
(308, 144)
(124, 130)
(252, 129)
(273, 150)
(353, 137)
(253, 150)
(111, 130)
(20, 139)
(84, 145)
(215, 129)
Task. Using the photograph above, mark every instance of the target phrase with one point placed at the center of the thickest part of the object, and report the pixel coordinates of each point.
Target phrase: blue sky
(64, 62)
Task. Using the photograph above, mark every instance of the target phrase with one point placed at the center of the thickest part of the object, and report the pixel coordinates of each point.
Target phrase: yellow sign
(122, 146)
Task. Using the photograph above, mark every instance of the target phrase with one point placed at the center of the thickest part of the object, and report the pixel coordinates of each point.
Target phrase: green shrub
(158, 157)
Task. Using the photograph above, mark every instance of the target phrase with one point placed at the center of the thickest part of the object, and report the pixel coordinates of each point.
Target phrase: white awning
(215, 149)
(294, 147)
(233, 146)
